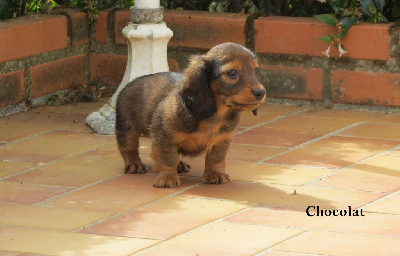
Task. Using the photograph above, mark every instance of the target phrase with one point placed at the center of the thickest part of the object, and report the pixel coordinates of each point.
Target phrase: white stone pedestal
(147, 54)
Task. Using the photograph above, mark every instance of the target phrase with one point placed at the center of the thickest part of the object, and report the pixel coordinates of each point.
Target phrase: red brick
(107, 69)
(79, 27)
(12, 89)
(292, 82)
(26, 36)
(290, 35)
(195, 29)
(173, 65)
(122, 18)
(372, 88)
(101, 27)
(205, 29)
(57, 75)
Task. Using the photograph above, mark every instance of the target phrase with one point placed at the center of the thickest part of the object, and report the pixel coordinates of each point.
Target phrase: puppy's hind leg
(129, 147)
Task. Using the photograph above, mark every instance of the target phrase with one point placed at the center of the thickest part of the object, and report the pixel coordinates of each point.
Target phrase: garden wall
(42, 54)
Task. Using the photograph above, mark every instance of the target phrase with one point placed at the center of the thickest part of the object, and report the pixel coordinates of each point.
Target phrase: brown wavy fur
(189, 113)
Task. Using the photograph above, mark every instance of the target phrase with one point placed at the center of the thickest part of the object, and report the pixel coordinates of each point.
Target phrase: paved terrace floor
(62, 190)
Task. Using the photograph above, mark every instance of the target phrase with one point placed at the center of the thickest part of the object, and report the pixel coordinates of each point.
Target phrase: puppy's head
(226, 75)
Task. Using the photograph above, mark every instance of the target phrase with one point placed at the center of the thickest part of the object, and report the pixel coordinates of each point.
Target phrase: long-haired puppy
(187, 114)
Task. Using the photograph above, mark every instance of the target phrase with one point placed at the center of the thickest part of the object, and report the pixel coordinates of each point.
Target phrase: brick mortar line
(271, 121)
(351, 165)
(250, 206)
(312, 141)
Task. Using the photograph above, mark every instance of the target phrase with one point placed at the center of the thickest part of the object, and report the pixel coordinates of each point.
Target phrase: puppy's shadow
(246, 191)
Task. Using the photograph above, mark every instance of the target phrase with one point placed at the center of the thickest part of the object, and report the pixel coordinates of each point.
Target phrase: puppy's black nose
(258, 93)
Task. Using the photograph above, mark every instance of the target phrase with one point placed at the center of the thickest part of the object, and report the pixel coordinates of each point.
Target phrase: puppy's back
(138, 100)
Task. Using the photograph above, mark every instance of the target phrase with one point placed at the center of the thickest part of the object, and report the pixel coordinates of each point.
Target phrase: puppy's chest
(207, 135)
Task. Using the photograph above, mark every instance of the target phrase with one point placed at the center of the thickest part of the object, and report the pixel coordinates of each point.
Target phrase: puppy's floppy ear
(196, 92)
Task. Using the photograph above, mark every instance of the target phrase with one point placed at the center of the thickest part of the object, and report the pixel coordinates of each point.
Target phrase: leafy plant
(8, 8)
(348, 13)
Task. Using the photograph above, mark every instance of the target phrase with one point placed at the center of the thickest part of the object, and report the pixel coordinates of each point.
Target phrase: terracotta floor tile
(388, 205)
(225, 239)
(79, 126)
(76, 171)
(284, 195)
(27, 194)
(250, 153)
(331, 243)
(334, 152)
(118, 194)
(265, 113)
(394, 153)
(357, 115)
(381, 173)
(7, 167)
(81, 108)
(273, 173)
(377, 131)
(276, 253)
(144, 146)
(291, 131)
(53, 146)
(29, 123)
(61, 243)
(111, 148)
(166, 218)
(2, 253)
(278, 174)
(47, 217)
(371, 223)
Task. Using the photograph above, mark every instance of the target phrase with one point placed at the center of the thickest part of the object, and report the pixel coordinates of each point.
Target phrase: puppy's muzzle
(258, 93)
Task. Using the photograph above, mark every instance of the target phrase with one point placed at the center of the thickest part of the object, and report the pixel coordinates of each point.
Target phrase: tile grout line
(76, 190)
(312, 141)
(381, 199)
(250, 206)
(351, 165)
(246, 129)
(55, 161)
(269, 249)
(29, 137)
(137, 207)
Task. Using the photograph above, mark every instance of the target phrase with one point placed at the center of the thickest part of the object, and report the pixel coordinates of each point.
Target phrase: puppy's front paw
(167, 180)
(183, 167)
(135, 168)
(215, 177)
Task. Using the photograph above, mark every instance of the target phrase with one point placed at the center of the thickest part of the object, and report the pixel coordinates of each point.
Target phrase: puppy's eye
(256, 70)
(232, 73)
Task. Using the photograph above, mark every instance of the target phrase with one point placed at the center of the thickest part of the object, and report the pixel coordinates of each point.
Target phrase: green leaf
(342, 33)
(329, 19)
(326, 38)
(348, 22)
(396, 12)
(365, 7)
(379, 4)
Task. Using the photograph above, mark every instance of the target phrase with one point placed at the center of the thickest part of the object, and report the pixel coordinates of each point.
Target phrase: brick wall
(42, 54)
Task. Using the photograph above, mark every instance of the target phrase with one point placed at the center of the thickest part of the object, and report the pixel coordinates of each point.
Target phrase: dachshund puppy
(187, 114)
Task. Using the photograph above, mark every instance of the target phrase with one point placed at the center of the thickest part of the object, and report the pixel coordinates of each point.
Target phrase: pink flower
(326, 53)
(341, 50)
